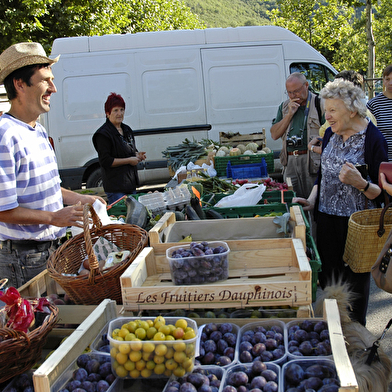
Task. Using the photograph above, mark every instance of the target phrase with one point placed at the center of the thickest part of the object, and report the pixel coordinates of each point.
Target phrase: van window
(316, 74)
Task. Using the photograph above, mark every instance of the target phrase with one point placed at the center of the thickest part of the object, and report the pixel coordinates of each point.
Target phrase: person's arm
(68, 216)
(279, 128)
(71, 198)
(309, 203)
(106, 160)
(386, 185)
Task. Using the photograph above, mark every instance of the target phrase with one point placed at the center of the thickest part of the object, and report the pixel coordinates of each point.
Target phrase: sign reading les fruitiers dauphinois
(226, 295)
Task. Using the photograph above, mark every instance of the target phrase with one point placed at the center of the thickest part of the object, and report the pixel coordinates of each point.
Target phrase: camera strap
(306, 113)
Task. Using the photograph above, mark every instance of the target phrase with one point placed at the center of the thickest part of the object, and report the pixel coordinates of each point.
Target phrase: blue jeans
(20, 261)
(112, 197)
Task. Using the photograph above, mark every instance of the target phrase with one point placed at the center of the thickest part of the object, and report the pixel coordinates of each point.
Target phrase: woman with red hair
(117, 153)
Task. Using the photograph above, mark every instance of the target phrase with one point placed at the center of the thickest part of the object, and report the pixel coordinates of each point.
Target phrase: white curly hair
(352, 96)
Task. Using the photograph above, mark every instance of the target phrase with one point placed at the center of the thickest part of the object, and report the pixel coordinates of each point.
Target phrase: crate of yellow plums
(142, 347)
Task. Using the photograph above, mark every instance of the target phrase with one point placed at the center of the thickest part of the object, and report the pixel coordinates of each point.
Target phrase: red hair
(113, 101)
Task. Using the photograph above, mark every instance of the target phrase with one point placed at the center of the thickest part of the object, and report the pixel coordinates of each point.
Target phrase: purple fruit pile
(200, 380)
(262, 344)
(255, 377)
(199, 264)
(217, 344)
(316, 377)
(94, 374)
(309, 338)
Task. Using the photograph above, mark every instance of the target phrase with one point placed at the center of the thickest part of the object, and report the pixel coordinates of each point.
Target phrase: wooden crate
(269, 272)
(258, 138)
(73, 346)
(46, 375)
(296, 222)
(43, 285)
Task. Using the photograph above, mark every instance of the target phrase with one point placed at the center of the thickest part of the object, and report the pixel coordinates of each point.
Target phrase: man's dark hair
(351, 76)
(24, 73)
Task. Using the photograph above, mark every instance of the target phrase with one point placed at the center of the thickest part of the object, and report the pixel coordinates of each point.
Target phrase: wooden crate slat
(342, 361)
(73, 346)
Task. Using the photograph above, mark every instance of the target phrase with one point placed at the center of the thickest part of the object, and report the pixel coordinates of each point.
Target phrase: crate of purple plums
(198, 262)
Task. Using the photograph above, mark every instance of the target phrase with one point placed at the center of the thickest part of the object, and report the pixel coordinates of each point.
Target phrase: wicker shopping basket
(20, 351)
(93, 288)
(367, 232)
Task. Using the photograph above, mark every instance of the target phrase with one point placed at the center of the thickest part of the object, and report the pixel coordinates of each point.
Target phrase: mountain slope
(232, 13)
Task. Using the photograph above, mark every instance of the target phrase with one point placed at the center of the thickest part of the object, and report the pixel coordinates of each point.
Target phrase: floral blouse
(337, 198)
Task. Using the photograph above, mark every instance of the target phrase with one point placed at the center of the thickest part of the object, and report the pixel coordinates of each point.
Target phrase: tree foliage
(44, 20)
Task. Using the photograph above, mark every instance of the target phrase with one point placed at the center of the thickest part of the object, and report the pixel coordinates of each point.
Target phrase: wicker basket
(366, 237)
(92, 289)
(20, 351)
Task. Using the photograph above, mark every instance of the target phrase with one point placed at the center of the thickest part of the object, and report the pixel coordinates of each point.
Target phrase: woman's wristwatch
(366, 187)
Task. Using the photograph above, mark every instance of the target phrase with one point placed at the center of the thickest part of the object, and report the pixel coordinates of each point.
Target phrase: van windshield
(316, 74)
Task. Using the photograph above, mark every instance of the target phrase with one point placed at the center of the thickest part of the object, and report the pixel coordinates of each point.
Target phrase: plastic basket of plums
(199, 262)
(218, 344)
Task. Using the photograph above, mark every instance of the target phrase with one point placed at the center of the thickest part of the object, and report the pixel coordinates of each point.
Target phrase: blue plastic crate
(253, 170)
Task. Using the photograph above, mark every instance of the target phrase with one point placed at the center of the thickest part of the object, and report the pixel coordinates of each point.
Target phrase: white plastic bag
(246, 195)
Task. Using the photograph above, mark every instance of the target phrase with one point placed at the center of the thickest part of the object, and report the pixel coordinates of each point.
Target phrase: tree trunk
(371, 45)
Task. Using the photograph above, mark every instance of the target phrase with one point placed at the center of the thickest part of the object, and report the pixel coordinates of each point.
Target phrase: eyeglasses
(295, 91)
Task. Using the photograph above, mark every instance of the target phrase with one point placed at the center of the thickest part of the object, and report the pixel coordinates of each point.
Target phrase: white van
(176, 84)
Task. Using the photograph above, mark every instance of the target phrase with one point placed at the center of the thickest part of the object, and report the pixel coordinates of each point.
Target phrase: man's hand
(293, 106)
(69, 216)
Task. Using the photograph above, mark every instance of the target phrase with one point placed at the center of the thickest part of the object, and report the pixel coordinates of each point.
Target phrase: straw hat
(20, 55)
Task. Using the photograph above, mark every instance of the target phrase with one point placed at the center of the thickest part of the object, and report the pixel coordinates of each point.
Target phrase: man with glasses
(298, 118)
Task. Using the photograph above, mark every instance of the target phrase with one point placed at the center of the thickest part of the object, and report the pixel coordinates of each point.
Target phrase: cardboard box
(261, 272)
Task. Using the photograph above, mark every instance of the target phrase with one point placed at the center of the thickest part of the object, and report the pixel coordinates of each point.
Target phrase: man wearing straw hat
(32, 213)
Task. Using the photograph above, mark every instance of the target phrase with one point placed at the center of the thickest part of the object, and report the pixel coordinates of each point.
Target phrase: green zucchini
(214, 214)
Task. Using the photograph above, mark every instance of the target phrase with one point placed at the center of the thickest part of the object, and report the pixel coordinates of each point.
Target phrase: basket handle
(92, 259)
(381, 229)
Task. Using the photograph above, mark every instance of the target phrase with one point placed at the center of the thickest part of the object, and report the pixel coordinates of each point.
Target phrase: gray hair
(352, 96)
(297, 75)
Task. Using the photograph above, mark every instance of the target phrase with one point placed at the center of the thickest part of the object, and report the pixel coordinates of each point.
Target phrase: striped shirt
(29, 178)
(381, 107)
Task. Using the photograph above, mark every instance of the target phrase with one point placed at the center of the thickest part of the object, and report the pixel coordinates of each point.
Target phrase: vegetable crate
(210, 199)
(234, 140)
(168, 230)
(272, 209)
(269, 272)
(315, 263)
(252, 170)
(220, 163)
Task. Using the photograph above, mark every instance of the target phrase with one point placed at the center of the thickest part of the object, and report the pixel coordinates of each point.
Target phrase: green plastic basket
(221, 162)
(315, 264)
(210, 199)
(251, 211)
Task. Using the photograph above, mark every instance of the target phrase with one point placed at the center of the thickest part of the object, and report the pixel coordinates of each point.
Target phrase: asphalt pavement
(378, 314)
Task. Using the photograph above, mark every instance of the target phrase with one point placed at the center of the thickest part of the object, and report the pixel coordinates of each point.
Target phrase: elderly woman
(351, 142)
(117, 153)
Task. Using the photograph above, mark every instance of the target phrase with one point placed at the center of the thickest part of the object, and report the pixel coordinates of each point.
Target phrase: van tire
(95, 179)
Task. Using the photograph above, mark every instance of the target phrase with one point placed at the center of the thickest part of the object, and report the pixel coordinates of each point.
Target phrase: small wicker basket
(92, 289)
(20, 351)
(365, 237)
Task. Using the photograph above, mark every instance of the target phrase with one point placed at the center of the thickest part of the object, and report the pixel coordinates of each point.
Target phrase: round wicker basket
(92, 289)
